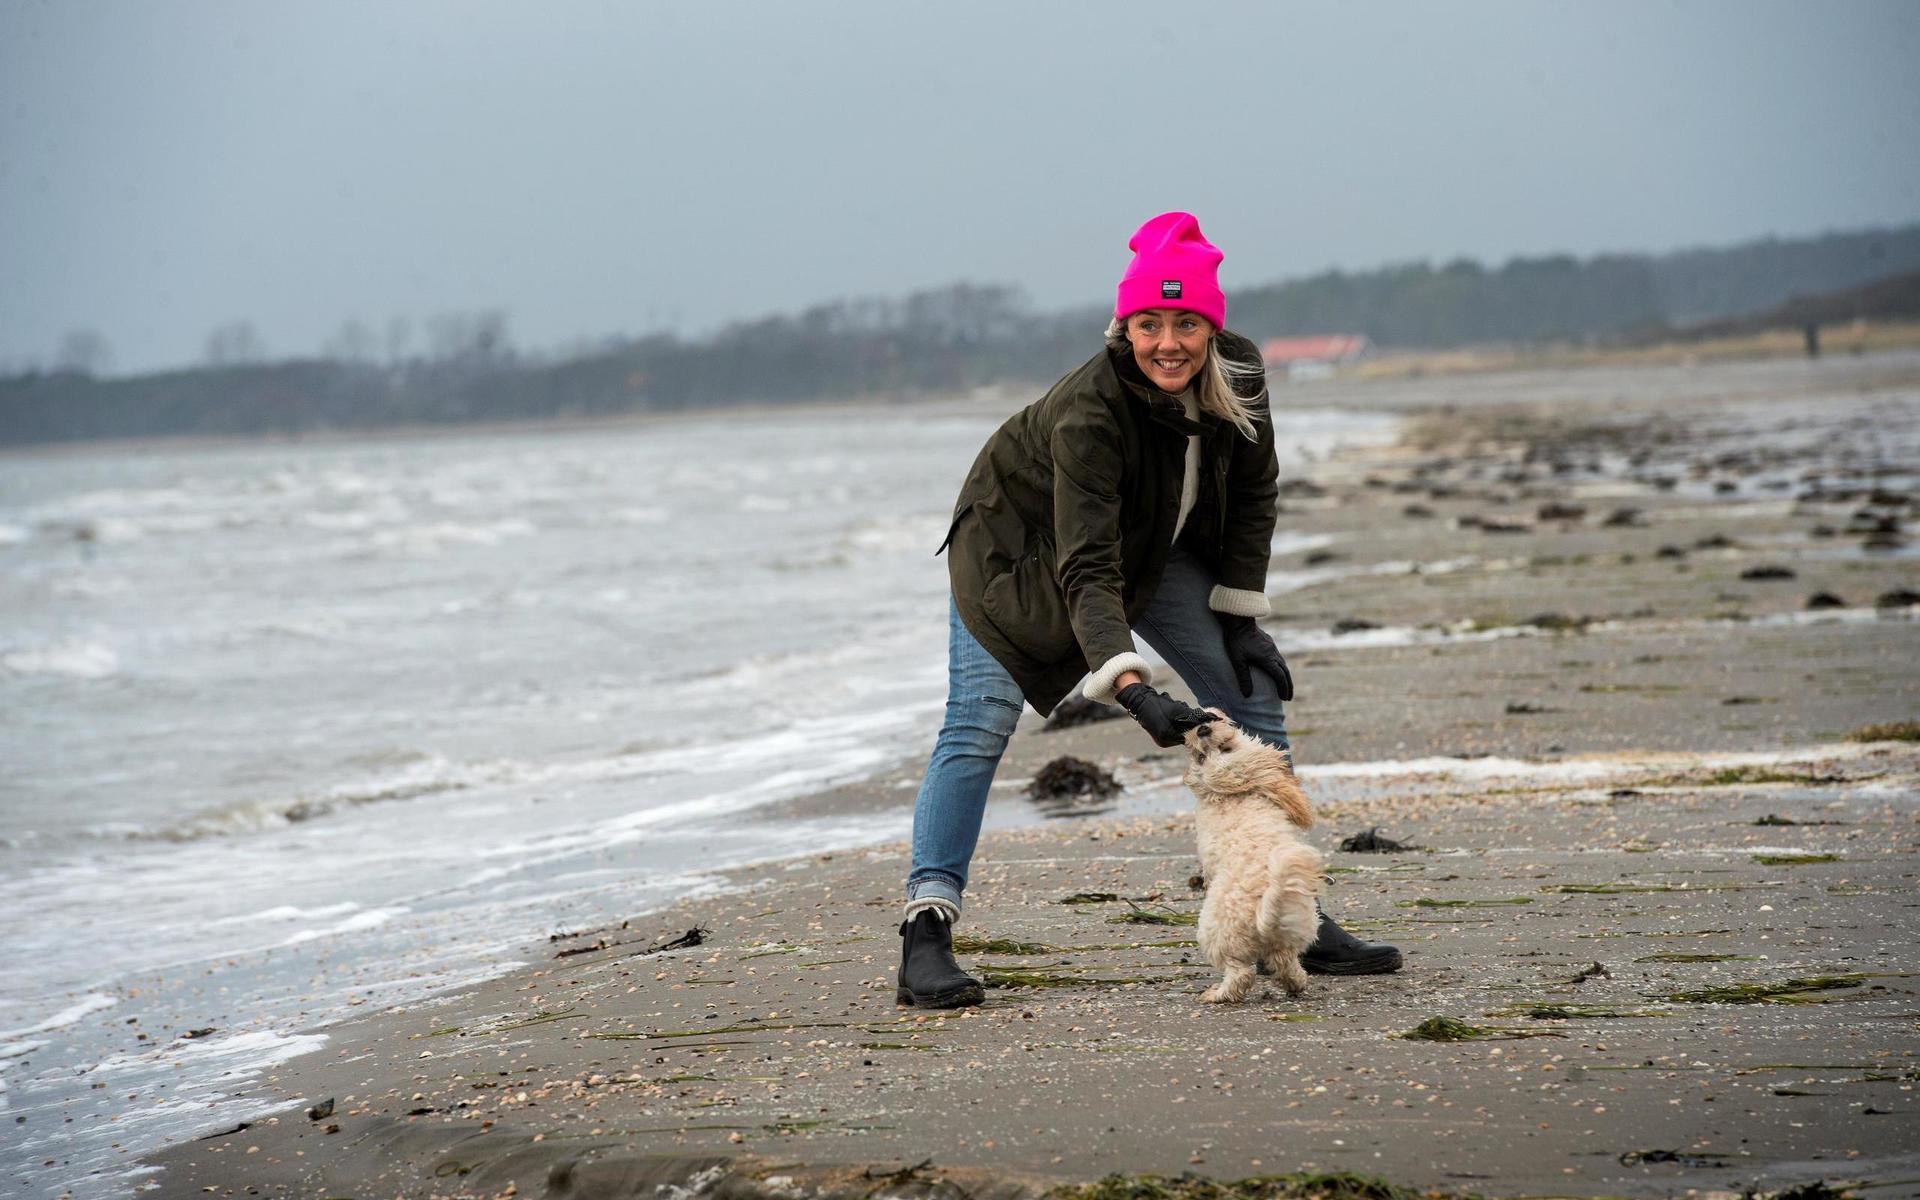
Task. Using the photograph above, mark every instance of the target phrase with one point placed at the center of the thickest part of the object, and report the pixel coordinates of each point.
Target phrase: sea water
(297, 728)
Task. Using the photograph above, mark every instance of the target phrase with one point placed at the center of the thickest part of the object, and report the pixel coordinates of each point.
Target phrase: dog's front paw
(1218, 994)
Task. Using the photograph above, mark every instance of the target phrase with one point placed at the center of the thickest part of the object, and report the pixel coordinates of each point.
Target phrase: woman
(1138, 494)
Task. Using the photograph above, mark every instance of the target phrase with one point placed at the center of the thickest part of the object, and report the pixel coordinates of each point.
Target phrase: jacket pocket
(1026, 604)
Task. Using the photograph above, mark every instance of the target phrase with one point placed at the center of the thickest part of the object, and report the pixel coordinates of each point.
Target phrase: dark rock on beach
(1070, 778)
(1076, 710)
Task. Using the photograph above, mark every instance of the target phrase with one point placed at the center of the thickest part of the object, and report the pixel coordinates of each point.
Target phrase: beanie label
(1169, 289)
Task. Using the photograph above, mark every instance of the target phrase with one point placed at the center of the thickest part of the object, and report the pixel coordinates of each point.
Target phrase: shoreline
(596, 1074)
(1706, 672)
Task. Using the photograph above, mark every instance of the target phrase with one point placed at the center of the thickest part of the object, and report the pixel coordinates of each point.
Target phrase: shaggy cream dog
(1261, 878)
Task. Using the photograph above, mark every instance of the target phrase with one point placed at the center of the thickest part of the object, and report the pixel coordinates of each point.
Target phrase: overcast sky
(616, 168)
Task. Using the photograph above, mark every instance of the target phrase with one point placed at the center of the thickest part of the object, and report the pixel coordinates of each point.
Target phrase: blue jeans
(983, 705)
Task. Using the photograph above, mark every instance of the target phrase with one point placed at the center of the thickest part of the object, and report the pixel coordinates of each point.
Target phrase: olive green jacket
(1065, 523)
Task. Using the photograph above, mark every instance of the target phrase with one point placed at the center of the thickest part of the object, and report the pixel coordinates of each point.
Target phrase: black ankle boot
(929, 978)
(1337, 952)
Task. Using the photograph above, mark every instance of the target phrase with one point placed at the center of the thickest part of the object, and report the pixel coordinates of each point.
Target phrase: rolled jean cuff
(935, 893)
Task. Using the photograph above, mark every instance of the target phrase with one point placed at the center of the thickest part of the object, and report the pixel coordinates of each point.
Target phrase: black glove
(1165, 719)
(1250, 649)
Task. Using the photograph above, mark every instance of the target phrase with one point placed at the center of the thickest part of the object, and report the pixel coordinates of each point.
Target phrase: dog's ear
(1294, 803)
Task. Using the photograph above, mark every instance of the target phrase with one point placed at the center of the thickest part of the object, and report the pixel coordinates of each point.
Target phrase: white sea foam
(1587, 769)
(75, 659)
(359, 922)
(92, 1002)
(12, 534)
(289, 912)
(437, 536)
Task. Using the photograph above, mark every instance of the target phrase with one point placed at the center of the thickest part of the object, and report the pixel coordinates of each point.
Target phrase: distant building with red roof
(1312, 357)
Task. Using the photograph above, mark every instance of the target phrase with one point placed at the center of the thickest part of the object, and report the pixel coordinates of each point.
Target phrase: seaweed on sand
(1572, 1012)
(1019, 977)
(1136, 915)
(1303, 1185)
(1449, 1029)
(968, 944)
(1369, 841)
(1892, 731)
(1791, 991)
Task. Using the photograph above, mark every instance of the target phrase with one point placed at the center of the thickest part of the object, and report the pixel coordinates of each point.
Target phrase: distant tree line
(466, 369)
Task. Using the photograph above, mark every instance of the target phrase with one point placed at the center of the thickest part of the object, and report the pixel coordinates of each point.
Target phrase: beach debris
(1670, 552)
(204, 1031)
(1300, 1185)
(1793, 860)
(1076, 710)
(1624, 517)
(692, 937)
(1678, 1158)
(1897, 598)
(1301, 489)
(1715, 541)
(321, 1111)
(1825, 600)
(1678, 957)
(1450, 1029)
(1158, 915)
(903, 1175)
(1089, 898)
(1197, 882)
(1353, 625)
(1609, 889)
(1320, 558)
(1594, 971)
(1558, 622)
(1369, 841)
(1792, 991)
(1768, 571)
(1521, 708)
(1068, 777)
(1573, 1012)
(242, 1127)
(1491, 525)
(968, 944)
(1430, 902)
(1556, 511)
(1416, 511)
(1891, 731)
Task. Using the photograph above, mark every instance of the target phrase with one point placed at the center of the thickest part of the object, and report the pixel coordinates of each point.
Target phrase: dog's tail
(1294, 877)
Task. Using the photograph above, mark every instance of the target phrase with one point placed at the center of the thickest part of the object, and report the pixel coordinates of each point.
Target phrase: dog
(1262, 880)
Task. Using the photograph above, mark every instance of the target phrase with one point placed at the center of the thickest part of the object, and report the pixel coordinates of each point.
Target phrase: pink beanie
(1174, 266)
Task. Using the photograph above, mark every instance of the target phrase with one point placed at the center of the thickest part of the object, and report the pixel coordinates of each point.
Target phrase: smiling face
(1170, 346)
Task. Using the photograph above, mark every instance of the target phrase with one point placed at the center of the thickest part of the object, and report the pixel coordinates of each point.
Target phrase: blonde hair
(1217, 380)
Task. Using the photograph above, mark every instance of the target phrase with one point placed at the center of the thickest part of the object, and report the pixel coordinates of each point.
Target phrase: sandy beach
(1602, 648)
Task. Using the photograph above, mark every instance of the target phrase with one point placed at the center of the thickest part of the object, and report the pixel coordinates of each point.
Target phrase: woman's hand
(1165, 719)
(1250, 649)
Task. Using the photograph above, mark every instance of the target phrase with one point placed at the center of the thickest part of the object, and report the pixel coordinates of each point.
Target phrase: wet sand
(1648, 697)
